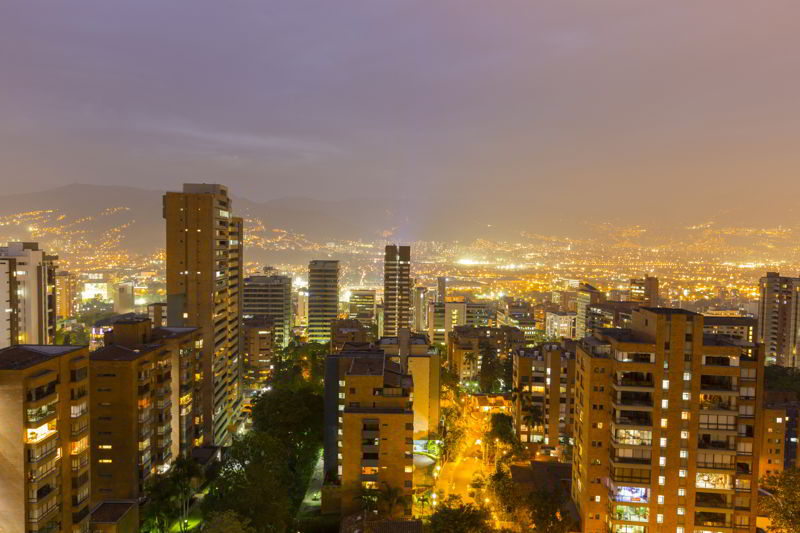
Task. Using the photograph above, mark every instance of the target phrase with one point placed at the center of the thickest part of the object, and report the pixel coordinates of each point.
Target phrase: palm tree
(471, 360)
(390, 498)
(533, 415)
(183, 475)
(368, 499)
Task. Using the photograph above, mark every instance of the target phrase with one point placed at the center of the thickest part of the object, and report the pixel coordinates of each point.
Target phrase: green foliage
(545, 508)
(160, 510)
(454, 516)
(501, 487)
(782, 504)
(253, 483)
(227, 522)
(183, 476)
(299, 364)
(501, 427)
(491, 371)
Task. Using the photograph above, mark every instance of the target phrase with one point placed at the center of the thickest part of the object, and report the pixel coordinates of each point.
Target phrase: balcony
(717, 445)
(714, 465)
(80, 515)
(712, 501)
(631, 420)
(42, 414)
(41, 518)
(43, 493)
(711, 405)
(370, 434)
(626, 461)
(642, 478)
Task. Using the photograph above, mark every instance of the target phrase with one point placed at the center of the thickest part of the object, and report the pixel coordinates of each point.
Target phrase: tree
(502, 488)
(782, 501)
(501, 427)
(390, 498)
(227, 522)
(368, 498)
(454, 516)
(547, 516)
(183, 474)
(491, 370)
(160, 509)
(471, 360)
(255, 482)
(533, 416)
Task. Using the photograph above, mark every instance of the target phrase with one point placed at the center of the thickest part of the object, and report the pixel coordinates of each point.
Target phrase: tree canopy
(782, 503)
(454, 516)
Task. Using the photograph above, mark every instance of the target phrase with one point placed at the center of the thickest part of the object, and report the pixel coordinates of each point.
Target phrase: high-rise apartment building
(668, 426)
(644, 290)
(157, 313)
(67, 294)
(739, 327)
(270, 298)
(396, 289)
(323, 299)
(362, 306)
(44, 478)
(204, 280)
(28, 290)
(587, 296)
(259, 352)
(560, 325)
(544, 381)
(142, 405)
(420, 309)
(779, 318)
(369, 429)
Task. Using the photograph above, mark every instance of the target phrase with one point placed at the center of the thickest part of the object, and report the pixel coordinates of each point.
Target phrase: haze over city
(399, 266)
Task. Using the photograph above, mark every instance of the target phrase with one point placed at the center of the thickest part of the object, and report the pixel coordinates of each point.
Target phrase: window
(660, 518)
(661, 480)
(682, 473)
(686, 396)
(663, 422)
(687, 376)
(663, 442)
(664, 404)
(665, 384)
(681, 492)
(684, 454)
(660, 499)
(662, 461)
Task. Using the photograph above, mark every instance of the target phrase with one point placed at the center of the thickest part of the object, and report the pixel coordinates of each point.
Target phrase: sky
(635, 106)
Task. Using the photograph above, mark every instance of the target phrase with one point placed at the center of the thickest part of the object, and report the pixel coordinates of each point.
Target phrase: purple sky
(476, 101)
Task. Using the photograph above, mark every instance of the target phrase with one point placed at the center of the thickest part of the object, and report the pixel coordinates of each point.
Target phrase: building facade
(644, 291)
(67, 294)
(668, 427)
(779, 318)
(323, 299)
(45, 474)
(396, 289)
(270, 298)
(204, 280)
(28, 286)
(362, 306)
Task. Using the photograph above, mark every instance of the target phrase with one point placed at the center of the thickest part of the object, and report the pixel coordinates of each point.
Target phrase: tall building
(28, 288)
(44, 478)
(668, 426)
(779, 318)
(369, 429)
(644, 290)
(740, 327)
(441, 289)
(587, 296)
(323, 299)
(270, 298)
(347, 331)
(420, 309)
(396, 289)
(259, 352)
(157, 313)
(123, 298)
(362, 306)
(67, 294)
(560, 325)
(204, 280)
(142, 405)
(544, 381)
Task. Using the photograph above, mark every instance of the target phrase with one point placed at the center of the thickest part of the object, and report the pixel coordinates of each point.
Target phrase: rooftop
(116, 352)
(170, 332)
(111, 512)
(27, 355)
(669, 311)
(729, 321)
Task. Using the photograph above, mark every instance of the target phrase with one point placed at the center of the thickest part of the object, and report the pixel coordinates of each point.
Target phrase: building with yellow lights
(44, 428)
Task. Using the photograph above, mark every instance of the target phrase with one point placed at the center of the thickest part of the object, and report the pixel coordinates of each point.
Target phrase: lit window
(681, 492)
(779, 420)
(682, 473)
(597, 499)
(409, 469)
(660, 500)
(663, 422)
(687, 376)
(665, 384)
(684, 454)
(662, 461)
(681, 511)
(687, 396)
(661, 480)
(105, 461)
(684, 434)
(684, 415)
(104, 447)
(660, 518)
(663, 442)
(664, 404)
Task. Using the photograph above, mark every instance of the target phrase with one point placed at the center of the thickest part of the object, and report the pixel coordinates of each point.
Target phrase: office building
(560, 325)
(28, 288)
(44, 478)
(204, 280)
(419, 309)
(396, 289)
(259, 353)
(362, 306)
(142, 405)
(466, 346)
(441, 289)
(123, 298)
(544, 381)
(779, 318)
(587, 296)
(668, 426)
(644, 291)
(270, 298)
(369, 429)
(323, 299)
(739, 327)
(67, 294)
